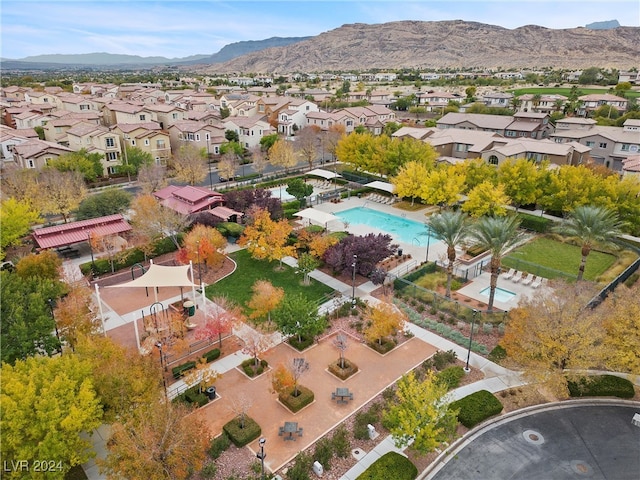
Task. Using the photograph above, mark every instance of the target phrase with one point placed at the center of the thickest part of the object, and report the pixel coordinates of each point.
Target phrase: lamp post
(163, 369)
(198, 255)
(261, 454)
(209, 163)
(473, 321)
(55, 324)
(353, 280)
(426, 259)
(93, 264)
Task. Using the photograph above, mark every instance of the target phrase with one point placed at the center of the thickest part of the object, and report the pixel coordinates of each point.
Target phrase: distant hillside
(603, 25)
(455, 44)
(234, 50)
(101, 59)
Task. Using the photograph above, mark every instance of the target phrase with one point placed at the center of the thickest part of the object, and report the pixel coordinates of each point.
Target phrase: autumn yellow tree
(621, 314)
(410, 180)
(159, 440)
(384, 319)
(442, 186)
(487, 199)
(265, 299)
(189, 164)
(61, 192)
(520, 179)
(315, 242)
(153, 221)
(282, 380)
(265, 238)
(74, 315)
(203, 376)
(281, 154)
(16, 218)
(548, 335)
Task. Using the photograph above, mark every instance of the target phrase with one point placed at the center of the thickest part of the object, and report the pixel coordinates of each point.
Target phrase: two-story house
(42, 98)
(10, 137)
(610, 146)
(435, 101)
(538, 150)
(166, 115)
(55, 130)
(36, 153)
(294, 116)
(592, 102)
(126, 112)
(148, 137)
(76, 103)
(542, 103)
(521, 124)
(249, 129)
(97, 139)
(497, 99)
(198, 134)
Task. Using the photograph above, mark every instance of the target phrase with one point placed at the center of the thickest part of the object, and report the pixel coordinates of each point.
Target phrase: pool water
(501, 294)
(401, 229)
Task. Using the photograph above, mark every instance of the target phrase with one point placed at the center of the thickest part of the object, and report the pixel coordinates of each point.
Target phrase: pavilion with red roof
(188, 199)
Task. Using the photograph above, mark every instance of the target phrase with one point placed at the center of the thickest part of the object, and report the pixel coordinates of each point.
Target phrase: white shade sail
(316, 216)
(319, 172)
(378, 185)
(161, 276)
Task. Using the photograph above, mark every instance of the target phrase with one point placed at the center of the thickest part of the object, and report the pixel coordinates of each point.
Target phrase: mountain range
(393, 45)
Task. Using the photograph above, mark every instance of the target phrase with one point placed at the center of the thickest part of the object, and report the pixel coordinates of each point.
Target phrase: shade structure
(326, 174)
(378, 185)
(76, 232)
(316, 216)
(161, 276)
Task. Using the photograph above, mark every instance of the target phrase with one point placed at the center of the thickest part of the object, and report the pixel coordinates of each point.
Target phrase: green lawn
(565, 91)
(237, 286)
(560, 257)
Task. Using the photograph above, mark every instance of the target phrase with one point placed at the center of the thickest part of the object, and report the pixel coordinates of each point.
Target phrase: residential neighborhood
(429, 272)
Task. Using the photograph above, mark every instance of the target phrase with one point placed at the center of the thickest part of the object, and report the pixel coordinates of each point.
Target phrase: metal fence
(630, 270)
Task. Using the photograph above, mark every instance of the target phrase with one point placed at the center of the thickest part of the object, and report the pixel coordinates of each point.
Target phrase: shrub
(209, 470)
(343, 373)
(323, 452)
(475, 250)
(386, 346)
(295, 404)
(301, 344)
(230, 229)
(497, 354)
(601, 386)
(211, 355)
(390, 465)
(442, 359)
(476, 407)
(242, 436)
(180, 370)
(451, 376)
(251, 370)
(363, 418)
(192, 395)
(340, 442)
(219, 445)
(301, 467)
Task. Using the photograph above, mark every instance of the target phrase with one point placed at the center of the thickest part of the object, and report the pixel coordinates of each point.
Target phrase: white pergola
(317, 216)
(378, 185)
(326, 174)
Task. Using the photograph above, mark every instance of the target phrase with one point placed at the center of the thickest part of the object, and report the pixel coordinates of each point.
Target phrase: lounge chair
(536, 283)
(529, 280)
(509, 275)
(518, 278)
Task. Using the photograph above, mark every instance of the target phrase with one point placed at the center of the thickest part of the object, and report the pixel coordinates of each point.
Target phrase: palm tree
(590, 226)
(535, 101)
(496, 234)
(451, 228)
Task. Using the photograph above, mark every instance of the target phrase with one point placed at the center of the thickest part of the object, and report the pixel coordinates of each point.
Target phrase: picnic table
(342, 395)
(289, 429)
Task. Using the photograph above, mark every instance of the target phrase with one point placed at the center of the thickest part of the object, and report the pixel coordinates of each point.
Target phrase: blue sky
(182, 28)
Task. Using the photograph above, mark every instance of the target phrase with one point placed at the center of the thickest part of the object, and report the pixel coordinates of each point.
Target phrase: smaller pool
(501, 295)
(281, 193)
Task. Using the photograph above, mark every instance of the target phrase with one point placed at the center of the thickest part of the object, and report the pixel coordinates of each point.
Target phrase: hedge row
(601, 386)
(179, 370)
(193, 395)
(127, 258)
(534, 223)
(349, 369)
(476, 407)
(390, 465)
(241, 436)
(250, 369)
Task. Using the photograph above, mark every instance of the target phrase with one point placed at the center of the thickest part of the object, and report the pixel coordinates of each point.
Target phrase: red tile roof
(76, 232)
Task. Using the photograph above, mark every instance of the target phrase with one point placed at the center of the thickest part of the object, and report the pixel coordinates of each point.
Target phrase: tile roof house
(148, 137)
(202, 135)
(117, 111)
(56, 129)
(594, 101)
(77, 103)
(97, 139)
(610, 146)
(188, 199)
(631, 166)
(166, 115)
(10, 137)
(36, 153)
(521, 124)
(249, 129)
(571, 153)
(545, 103)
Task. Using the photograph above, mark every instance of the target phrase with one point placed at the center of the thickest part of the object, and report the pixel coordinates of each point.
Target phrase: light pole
(353, 280)
(163, 369)
(198, 255)
(261, 454)
(426, 260)
(55, 324)
(473, 321)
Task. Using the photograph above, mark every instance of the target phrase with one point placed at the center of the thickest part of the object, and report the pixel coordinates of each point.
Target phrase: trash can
(211, 392)
(189, 308)
(399, 252)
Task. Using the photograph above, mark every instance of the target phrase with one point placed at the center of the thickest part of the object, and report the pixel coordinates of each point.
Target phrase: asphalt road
(580, 442)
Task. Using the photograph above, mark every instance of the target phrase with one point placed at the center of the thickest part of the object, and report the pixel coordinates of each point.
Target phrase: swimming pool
(402, 229)
(501, 294)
